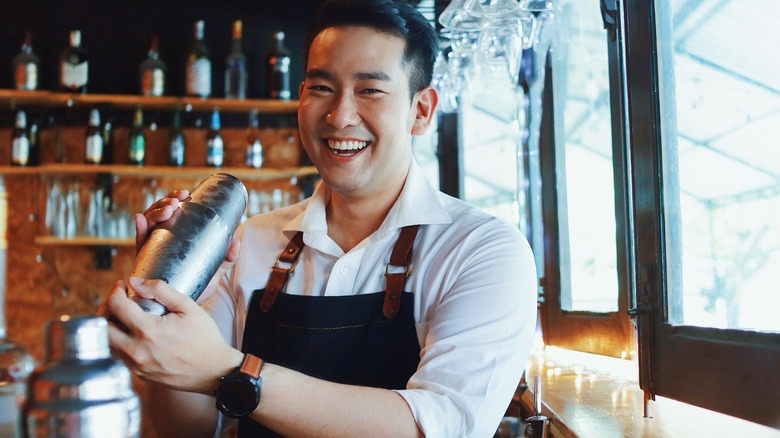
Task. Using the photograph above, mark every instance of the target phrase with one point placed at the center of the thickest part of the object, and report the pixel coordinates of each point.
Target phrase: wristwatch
(238, 393)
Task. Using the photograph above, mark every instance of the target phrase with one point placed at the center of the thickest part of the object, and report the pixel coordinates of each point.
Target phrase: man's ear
(300, 89)
(425, 102)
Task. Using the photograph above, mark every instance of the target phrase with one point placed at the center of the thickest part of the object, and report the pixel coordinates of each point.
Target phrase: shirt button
(343, 270)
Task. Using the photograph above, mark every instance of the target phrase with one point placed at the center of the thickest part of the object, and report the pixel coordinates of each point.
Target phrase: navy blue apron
(366, 340)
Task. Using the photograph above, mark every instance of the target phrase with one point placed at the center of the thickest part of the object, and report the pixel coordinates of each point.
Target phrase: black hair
(394, 17)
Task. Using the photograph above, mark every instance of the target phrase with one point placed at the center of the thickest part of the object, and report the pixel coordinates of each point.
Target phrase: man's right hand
(162, 210)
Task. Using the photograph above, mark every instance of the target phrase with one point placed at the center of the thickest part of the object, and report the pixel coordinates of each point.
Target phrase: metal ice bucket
(81, 391)
(186, 250)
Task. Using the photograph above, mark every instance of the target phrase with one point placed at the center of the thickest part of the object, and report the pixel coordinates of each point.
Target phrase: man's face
(355, 116)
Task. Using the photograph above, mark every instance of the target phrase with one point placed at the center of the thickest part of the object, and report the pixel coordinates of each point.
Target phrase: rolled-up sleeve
(476, 342)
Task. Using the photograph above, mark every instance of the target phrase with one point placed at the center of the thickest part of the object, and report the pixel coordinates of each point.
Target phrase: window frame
(704, 371)
(611, 333)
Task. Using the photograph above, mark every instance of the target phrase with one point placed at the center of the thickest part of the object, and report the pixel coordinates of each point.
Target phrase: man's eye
(371, 91)
(320, 88)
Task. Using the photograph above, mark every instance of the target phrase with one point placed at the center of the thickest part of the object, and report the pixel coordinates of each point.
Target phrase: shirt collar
(418, 204)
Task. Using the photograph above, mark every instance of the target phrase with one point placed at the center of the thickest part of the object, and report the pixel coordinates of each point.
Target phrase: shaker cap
(77, 337)
(223, 193)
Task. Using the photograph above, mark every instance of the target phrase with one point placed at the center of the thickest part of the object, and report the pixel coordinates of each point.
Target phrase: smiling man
(378, 307)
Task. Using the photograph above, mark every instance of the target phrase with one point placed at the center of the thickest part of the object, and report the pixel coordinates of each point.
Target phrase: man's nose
(344, 112)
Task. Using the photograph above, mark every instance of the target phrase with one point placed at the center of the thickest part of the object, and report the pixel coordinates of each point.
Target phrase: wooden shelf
(11, 99)
(159, 171)
(82, 241)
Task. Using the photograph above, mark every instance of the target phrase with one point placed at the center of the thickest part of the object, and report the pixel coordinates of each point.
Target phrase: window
(704, 109)
(586, 280)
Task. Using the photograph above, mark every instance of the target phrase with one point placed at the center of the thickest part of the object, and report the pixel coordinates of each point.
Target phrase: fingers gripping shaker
(187, 250)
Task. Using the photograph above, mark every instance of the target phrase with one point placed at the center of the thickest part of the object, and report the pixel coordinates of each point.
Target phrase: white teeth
(347, 145)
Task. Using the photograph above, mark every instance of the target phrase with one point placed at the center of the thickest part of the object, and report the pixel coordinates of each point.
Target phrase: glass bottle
(16, 364)
(26, 65)
(215, 149)
(20, 141)
(254, 148)
(235, 67)
(199, 65)
(152, 71)
(137, 143)
(176, 156)
(34, 151)
(93, 144)
(278, 63)
(108, 142)
(74, 66)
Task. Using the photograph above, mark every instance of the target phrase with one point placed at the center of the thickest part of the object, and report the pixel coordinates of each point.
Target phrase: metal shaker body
(81, 391)
(187, 250)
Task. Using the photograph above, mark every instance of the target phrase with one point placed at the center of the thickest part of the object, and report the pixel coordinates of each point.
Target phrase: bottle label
(153, 82)
(20, 151)
(279, 76)
(94, 149)
(137, 150)
(74, 75)
(27, 76)
(199, 77)
(177, 151)
(215, 152)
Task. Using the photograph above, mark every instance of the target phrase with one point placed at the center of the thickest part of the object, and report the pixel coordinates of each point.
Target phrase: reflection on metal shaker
(187, 250)
(80, 391)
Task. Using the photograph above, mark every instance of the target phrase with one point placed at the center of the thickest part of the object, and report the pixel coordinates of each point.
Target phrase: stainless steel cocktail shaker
(186, 250)
(81, 391)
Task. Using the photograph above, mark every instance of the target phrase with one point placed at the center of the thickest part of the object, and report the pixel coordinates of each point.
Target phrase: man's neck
(351, 220)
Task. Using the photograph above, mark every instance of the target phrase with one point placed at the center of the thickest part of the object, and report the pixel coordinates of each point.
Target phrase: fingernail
(135, 281)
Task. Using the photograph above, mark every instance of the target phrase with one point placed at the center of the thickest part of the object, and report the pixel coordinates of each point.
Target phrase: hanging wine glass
(463, 16)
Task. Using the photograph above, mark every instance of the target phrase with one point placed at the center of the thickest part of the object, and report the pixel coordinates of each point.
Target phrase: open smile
(347, 148)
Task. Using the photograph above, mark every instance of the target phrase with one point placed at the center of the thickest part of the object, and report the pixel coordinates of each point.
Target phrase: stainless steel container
(81, 391)
(186, 250)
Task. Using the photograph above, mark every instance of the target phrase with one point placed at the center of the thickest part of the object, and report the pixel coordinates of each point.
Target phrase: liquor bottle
(26, 65)
(152, 72)
(137, 143)
(108, 142)
(74, 66)
(278, 63)
(254, 149)
(235, 67)
(199, 65)
(20, 141)
(93, 144)
(16, 364)
(34, 151)
(176, 156)
(215, 149)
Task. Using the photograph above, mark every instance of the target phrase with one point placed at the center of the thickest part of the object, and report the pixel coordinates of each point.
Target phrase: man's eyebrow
(317, 73)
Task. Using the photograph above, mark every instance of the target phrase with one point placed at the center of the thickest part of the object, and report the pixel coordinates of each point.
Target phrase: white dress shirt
(474, 283)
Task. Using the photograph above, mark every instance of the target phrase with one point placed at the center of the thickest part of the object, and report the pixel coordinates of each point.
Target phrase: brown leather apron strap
(279, 273)
(400, 257)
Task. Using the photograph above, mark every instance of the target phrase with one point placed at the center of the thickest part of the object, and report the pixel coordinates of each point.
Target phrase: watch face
(238, 397)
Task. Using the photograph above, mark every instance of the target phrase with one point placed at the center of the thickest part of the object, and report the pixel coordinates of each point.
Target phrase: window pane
(586, 192)
(721, 163)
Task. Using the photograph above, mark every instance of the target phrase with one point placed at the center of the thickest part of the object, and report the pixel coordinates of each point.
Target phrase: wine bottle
(26, 65)
(199, 65)
(20, 141)
(278, 63)
(16, 364)
(176, 156)
(108, 142)
(215, 149)
(93, 145)
(74, 66)
(235, 67)
(254, 149)
(137, 143)
(34, 151)
(152, 71)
